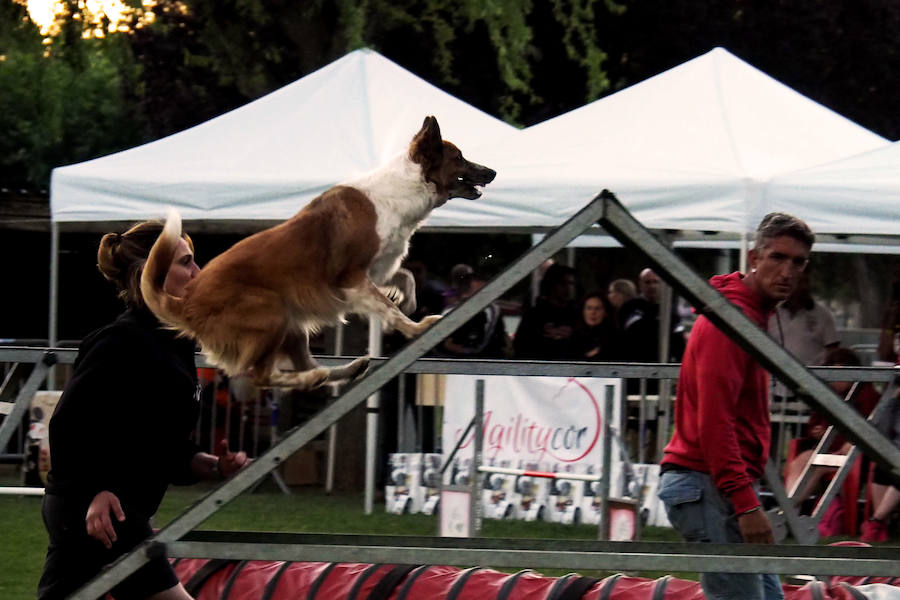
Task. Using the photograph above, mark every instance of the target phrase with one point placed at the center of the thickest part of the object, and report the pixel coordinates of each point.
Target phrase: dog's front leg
(404, 281)
(368, 299)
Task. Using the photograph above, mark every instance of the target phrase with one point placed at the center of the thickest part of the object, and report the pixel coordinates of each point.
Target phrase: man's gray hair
(625, 287)
(779, 224)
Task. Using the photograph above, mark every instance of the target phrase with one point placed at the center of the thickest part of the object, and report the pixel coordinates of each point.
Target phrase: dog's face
(443, 165)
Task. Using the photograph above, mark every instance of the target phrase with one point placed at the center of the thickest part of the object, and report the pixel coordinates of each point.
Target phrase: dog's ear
(427, 146)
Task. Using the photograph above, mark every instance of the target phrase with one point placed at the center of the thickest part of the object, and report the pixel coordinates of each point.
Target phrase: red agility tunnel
(273, 580)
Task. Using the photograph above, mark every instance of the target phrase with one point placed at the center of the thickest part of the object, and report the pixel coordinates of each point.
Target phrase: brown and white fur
(259, 301)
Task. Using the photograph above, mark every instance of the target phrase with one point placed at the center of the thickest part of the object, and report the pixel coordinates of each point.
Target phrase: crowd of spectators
(620, 323)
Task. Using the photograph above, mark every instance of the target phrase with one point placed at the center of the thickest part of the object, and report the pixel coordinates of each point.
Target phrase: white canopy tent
(691, 148)
(859, 193)
(267, 159)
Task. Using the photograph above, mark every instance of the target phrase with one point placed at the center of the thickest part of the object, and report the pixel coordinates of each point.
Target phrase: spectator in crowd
(651, 288)
(634, 318)
(595, 337)
(864, 402)
(621, 291)
(885, 495)
(484, 335)
(636, 321)
(803, 326)
(121, 433)
(806, 329)
(546, 329)
(720, 445)
(638, 334)
(650, 285)
(889, 343)
(429, 291)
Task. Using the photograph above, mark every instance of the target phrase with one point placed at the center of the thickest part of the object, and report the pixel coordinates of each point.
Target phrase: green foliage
(78, 98)
(62, 103)
(508, 29)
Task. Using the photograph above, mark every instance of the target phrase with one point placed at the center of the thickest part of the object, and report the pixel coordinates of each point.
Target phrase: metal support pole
(373, 404)
(540, 553)
(603, 531)
(476, 514)
(642, 425)
(53, 317)
(331, 451)
(23, 398)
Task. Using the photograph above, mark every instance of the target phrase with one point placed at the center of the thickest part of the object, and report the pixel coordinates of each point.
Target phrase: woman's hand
(98, 522)
(230, 462)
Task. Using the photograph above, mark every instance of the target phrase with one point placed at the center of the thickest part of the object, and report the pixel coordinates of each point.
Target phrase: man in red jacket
(721, 441)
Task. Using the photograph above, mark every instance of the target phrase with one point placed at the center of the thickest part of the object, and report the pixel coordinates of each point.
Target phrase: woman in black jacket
(121, 433)
(596, 337)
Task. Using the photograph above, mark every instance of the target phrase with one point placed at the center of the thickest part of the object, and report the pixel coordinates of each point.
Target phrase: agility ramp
(608, 212)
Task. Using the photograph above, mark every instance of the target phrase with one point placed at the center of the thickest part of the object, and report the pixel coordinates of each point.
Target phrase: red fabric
(722, 404)
(436, 581)
(343, 578)
(298, 576)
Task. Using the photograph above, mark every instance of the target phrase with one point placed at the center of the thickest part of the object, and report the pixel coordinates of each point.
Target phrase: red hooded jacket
(722, 404)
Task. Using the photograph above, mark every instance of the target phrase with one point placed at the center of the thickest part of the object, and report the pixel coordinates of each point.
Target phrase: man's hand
(98, 522)
(755, 528)
(230, 462)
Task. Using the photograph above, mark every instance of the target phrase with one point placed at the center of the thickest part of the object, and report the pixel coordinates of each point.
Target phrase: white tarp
(860, 193)
(690, 148)
(268, 158)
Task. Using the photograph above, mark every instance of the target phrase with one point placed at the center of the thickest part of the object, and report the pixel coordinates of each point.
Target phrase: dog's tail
(166, 307)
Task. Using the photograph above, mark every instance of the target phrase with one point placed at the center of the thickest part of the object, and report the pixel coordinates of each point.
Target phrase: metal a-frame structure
(176, 539)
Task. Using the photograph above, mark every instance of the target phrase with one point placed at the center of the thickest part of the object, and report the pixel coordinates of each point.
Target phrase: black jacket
(530, 341)
(124, 421)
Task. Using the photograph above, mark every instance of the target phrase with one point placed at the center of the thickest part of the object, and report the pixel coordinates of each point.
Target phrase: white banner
(530, 421)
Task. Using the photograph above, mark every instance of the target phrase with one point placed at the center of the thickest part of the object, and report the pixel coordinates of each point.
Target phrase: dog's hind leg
(296, 347)
(352, 371)
(309, 375)
(298, 380)
(368, 299)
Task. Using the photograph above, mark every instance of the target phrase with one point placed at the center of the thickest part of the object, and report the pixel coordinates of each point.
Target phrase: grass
(307, 510)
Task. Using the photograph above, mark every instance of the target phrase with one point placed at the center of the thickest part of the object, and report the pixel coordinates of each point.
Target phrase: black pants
(74, 558)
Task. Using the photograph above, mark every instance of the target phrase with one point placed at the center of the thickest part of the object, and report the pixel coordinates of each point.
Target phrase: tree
(78, 96)
(61, 104)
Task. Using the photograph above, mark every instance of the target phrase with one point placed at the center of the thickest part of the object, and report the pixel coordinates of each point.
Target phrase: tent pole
(372, 405)
(52, 324)
(332, 430)
(742, 259)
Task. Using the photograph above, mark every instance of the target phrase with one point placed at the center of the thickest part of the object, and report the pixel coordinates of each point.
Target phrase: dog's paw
(394, 294)
(349, 372)
(427, 322)
(318, 378)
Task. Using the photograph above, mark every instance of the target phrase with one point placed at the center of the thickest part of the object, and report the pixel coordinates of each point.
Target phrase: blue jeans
(700, 513)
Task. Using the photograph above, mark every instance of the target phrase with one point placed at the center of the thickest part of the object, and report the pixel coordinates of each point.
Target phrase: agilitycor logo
(563, 428)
